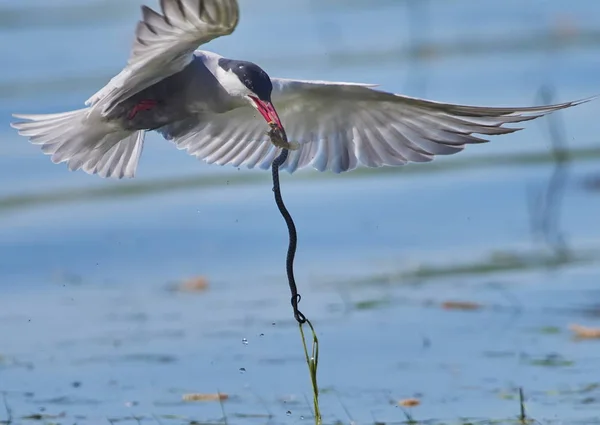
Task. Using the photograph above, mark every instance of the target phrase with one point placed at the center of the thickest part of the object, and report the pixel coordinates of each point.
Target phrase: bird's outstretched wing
(164, 44)
(340, 126)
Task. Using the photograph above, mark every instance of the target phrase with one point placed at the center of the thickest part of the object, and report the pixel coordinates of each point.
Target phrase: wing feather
(343, 125)
(164, 45)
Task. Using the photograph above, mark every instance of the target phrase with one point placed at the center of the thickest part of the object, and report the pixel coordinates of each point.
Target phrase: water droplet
(289, 413)
(244, 341)
(242, 369)
(273, 323)
(301, 417)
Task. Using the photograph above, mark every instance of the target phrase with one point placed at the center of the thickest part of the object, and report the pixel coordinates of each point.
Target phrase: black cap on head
(251, 75)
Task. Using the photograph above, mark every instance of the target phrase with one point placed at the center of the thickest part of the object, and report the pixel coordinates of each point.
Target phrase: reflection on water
(423, 282)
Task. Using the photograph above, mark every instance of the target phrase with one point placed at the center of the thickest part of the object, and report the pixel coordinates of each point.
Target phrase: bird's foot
(143, 105)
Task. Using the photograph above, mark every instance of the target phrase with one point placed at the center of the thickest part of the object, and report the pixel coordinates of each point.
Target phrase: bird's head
(248, 81)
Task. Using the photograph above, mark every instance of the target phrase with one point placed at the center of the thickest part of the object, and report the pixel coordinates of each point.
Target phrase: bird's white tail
(84, 142)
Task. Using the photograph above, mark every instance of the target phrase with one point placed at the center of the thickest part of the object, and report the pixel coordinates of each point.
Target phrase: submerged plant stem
(313, 363)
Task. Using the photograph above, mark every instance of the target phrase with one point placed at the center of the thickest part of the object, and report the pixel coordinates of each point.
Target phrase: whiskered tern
(211, 106)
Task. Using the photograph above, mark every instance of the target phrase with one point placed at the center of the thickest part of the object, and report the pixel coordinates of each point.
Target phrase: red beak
(267, 110)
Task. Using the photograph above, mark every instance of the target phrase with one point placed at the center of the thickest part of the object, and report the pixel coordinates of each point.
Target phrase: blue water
(83, 279)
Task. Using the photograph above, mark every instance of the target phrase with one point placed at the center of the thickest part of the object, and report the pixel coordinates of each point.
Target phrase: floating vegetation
(584, 332)
(492, 265)
(551, 360)
(461, 305)
(205, 397)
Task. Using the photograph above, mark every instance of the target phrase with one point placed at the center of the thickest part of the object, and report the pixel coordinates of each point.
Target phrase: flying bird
(220, 109)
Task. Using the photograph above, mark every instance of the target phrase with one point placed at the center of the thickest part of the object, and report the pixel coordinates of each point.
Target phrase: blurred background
(452, 283)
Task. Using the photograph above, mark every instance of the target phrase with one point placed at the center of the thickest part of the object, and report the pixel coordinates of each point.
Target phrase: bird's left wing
(164, 44)
(342, 125)
(238, 137)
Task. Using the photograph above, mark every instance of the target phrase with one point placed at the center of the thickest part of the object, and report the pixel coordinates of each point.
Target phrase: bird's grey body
(185, 94)
(211, 106)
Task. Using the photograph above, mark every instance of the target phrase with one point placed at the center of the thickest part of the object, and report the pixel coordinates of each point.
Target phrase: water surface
(91, 329)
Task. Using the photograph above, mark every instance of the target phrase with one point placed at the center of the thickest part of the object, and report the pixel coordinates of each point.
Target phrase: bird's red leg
(143, 105)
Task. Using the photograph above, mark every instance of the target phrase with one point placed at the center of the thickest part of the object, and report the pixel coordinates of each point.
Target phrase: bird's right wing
(340, 126)
(164, 44)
